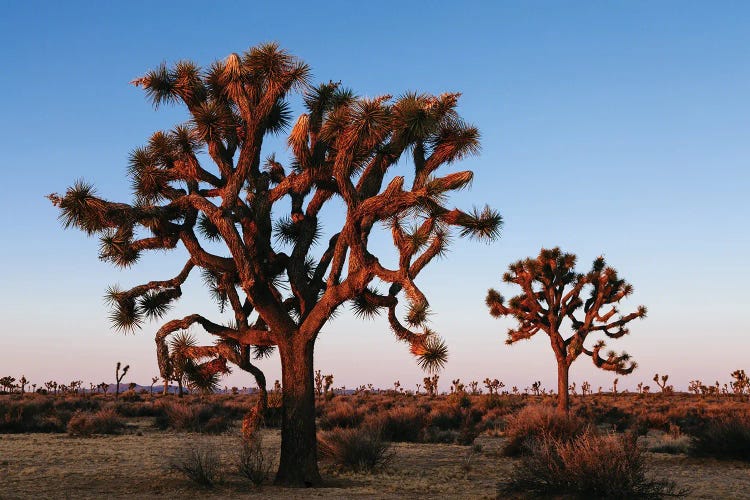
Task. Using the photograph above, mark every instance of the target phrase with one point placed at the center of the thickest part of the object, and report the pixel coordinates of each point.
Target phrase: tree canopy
(568, 307)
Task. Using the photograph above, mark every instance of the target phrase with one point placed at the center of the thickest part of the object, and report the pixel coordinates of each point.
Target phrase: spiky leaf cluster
(264, 215)
(552, 292)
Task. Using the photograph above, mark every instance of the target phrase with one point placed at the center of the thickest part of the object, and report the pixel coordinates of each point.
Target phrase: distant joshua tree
(154, 380)
(585, 388)
(7, 383)
(741, 383)
(551, 295)
(118, 377)
(474, 388)
(493, 386)
(536, 388)
(431, 385)
(22, 382)
(206, 183)
(661, 382)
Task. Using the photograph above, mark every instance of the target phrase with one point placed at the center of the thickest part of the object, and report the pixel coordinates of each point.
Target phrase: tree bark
(298, 463)
(563, 399)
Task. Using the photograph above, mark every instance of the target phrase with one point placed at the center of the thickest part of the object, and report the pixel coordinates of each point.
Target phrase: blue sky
(615, 128)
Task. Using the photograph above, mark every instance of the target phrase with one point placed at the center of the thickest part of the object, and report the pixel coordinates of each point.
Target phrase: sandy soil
(136, 465)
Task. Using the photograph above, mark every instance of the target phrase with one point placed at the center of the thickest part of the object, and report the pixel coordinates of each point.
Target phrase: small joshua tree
(536, 388)
(431, 385)
(319, 383)
(474, 388)
(741, 383)
(493, 386)
(154, 380)
(22, 382)
(7, 382)
(585, 388)
(118, 377)
(457, 387)
(662, 383)
(327, 384)
(554, 298)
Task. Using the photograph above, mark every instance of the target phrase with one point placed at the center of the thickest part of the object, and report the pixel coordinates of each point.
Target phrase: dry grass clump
(105, 421)
(536, 420)
(589, 466)
(454, 422)
(672, 445)
(340, 414)
(723, 438)
(253, 463)
(402, 424)
(361, 450)
(200, 465)
(192, 418)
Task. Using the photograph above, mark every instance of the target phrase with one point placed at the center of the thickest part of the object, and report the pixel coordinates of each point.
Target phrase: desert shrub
(201, 465)
(437, 435)
(192, 418)
(589, 466)
(606, 415)
(130, 395)
(460, 399)
(340, 414)
(33, 415)
(253, 463)
(446, 417)
(138, 409)
(536, 420)
(494, 420)
(72, 404)
(360, 449)
(105, 421)
(724, 438)
(671, 445)
(398, 424)
(652, 420)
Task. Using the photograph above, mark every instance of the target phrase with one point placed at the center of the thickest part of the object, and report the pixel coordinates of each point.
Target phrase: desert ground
(136, 462)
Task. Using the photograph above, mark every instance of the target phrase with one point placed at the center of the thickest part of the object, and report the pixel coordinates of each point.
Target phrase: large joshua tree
(551, 302)
(282, 292)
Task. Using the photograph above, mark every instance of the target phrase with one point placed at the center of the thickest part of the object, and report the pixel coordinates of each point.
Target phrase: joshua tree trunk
(179, 387)
(563, 399)
(298, 463)
(166, 387)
